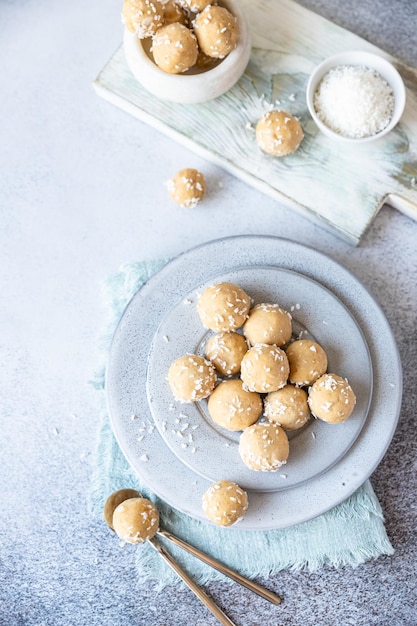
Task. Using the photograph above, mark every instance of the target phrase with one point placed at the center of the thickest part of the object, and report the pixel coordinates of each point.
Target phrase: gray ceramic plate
(327, 463)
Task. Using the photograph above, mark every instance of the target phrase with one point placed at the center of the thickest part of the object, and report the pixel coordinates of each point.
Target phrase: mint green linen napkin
(350, 534)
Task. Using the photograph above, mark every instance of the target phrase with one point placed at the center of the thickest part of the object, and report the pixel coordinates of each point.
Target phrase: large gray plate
(332, 305)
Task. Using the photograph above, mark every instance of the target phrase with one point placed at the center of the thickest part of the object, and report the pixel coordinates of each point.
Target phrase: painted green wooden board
(339, 185)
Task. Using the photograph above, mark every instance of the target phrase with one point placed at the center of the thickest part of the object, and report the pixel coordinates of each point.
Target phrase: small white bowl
(196, 86)
(372, 61)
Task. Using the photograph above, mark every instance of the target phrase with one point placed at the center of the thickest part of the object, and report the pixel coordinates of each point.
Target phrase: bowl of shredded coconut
(356, 96)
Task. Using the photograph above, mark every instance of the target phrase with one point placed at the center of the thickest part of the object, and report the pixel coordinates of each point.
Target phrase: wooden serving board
(339, 185)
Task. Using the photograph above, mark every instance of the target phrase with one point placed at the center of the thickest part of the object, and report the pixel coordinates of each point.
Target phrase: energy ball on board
(216, 30)
(223, 306)
(174, 48)
(224, 503)
(187, 188)
(308, 361)
(135, 520)
(233, 407)
(264, 368)
(268, 323)
(191, 378)
(226, 351)
(331, 399)
(287, 407)
(142, 17)
(278, 133)
(174, 12)
(264, 447)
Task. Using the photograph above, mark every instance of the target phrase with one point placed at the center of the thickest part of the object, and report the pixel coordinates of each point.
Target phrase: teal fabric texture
(350, 534)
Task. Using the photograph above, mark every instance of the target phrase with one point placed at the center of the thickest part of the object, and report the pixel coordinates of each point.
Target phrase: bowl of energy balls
(186, 51)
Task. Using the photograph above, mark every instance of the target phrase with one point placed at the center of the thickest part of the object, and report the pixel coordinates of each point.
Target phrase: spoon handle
(241, 580)
(210, 604)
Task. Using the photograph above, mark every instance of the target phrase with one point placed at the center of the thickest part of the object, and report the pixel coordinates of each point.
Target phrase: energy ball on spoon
(174, 48)
(264, 447)
(264, 368)
(135, 520)
(226, 351)
(331, 399)
(217, 31)
(278, 133)
(224, 503)
(268, 323)
(114, 500)
(187, 188)
(142, 17)
(287, 407)
(223, 306)
(308, 361)
(233, 407)
(191, 378)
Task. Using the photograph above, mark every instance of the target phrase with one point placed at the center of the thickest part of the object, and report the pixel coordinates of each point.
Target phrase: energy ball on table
(226, 351)
(191, 378)
(331, 399)
(308, 361)
(216, 30)
(224, 503)
(142, 17)
(174, 48)
(287, 407)
(233, 407)
(278, 133)
(264, 368)
(268, 323)
(135, 520)
(224, 306)
(187, 188)
(264, 447)
(173, 12)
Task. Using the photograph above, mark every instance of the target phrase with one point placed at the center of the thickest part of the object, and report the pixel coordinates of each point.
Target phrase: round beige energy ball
(278, 133)
(217, 31)
(331, 399)
(226, 351)
(233, 407)
(268, 323)
(114, 500)
(223, 306)
(142, 17)
(264, 368)
(224, 503)
(174, 48)
(187, 188)
(287, 407)
(135, 520)
(173, 12)
(191, 378)
(308, 361)
(195, 6)
(264, 447)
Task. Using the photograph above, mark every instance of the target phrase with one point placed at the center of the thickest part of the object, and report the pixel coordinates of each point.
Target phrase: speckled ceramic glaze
(161, 323)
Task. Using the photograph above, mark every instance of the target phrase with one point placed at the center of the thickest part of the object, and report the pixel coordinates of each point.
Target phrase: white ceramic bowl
(190, 87)
(367, 59)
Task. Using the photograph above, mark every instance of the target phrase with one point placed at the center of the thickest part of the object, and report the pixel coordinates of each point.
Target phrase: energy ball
(264, 447)
(287, 407)
(308, 361)
(268, 323)
(264, 368)
(142, 17)
(191, 378)
(135, 520)
(195, 5)
(114, 500)
(331, 399)
(226, 351)
(278, 133)
(173, 12)
(174, 48)
(224, 503)
(216, 30)
(223, 306)
(187, 188)
(233, 407)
